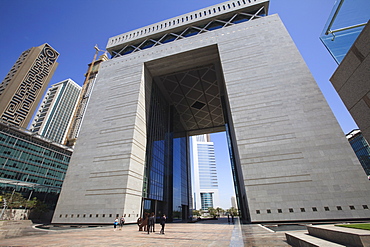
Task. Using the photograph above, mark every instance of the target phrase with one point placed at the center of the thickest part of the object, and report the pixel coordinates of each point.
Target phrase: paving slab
(203, 233)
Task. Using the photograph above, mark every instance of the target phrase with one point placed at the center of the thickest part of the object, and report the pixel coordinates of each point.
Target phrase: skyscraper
(56, 110)
(228, 67)
(26, 82)
(204, 173)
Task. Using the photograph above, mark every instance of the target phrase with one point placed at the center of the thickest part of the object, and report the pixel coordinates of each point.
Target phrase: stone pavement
(203, 233)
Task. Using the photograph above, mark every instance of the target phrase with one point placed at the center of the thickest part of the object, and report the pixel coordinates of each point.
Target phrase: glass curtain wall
(165, 188)
(37, 165)
(345, 23)
(362, 150)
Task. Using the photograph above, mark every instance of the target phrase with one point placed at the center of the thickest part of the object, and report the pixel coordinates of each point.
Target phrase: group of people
(119, 222)
(147, 223)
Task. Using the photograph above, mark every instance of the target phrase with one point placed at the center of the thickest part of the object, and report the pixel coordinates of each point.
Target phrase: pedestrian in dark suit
(163, 223)
(151, 222)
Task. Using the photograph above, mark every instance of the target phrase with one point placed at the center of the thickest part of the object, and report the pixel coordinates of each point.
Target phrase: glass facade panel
(345, 23)
(28, 163)
(165, 188)
(362, 150)
(206, 200)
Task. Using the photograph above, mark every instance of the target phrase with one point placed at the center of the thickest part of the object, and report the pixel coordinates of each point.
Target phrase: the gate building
(228, 67)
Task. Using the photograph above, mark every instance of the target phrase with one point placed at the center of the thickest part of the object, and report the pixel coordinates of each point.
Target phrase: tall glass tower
(205, 173)
(56, 110)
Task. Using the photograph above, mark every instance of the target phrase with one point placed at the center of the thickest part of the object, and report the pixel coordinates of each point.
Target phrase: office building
(352, 81)
(361, 148)
(345, 23)
(346, 36)
(90, 76)
(31, 164)
(56, 110)
(205, 184)
(228, 67)
(25, 84)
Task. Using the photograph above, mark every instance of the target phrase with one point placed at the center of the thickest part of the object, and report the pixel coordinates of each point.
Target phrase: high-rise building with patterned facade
(25, 84)
(54, 115)
(204, 173)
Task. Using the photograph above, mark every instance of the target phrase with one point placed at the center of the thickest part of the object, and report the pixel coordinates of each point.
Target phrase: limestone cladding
(352, 81)
(293, 154)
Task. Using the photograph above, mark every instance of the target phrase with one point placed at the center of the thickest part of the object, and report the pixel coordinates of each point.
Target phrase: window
(339, 207)
(314, 209)
(352, 207)
(303, 210)
(365, 206)
(326, 208)
(291, 210)
(268, 211)
(258, 212)
(280, 211)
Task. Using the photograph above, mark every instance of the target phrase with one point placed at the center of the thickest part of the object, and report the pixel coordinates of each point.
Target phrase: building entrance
(187, 97)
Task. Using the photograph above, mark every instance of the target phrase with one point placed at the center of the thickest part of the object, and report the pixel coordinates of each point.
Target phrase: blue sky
(73, 27)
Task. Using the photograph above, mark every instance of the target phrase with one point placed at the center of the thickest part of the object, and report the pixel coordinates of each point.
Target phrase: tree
(233, 211)
(196, 212)
(15, 200)
(219, 210)
(212, 212)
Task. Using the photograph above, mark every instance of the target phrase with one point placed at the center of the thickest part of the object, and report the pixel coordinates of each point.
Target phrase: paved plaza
(203, 233)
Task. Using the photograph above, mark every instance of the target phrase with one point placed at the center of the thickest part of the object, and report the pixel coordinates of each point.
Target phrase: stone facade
(352, 81)
(292, 160)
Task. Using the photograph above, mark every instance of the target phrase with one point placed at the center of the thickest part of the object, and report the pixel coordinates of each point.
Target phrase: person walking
(121, 222)
(145, 221)
(163, 223)
(151, 222)
(115, 224)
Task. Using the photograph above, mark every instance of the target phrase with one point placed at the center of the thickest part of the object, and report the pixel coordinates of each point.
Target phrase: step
(341, 235)
(302, 239)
